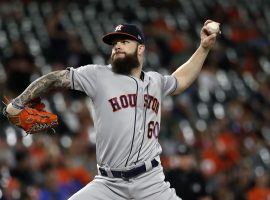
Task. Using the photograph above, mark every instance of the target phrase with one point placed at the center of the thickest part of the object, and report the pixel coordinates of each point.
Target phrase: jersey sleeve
(169, 85)
(84, 79)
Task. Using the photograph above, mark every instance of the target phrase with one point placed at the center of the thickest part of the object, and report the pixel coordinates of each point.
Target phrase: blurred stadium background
(224, 117)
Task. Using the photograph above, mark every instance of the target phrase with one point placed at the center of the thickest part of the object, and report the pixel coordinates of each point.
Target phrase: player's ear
(141, 49)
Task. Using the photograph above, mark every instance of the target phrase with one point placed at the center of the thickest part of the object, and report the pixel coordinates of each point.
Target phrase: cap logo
(119, 27)
(139, 37)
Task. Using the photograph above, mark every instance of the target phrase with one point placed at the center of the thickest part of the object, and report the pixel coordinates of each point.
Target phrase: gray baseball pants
(147, 186)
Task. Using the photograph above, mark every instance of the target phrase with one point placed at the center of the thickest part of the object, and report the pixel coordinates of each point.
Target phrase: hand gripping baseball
(209, 33)
(32, 118)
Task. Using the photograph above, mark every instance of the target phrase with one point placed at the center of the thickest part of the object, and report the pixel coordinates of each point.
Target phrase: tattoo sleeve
(56, 79)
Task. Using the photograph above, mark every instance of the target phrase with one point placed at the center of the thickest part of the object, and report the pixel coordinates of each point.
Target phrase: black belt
(128, 173)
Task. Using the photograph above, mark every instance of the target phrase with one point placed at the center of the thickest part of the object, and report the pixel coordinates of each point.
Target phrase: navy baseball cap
(130, 31)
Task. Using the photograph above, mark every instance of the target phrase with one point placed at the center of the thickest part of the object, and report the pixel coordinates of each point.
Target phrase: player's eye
(122, 42)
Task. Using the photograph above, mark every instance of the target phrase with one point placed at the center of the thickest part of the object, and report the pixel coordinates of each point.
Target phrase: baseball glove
(33, 118)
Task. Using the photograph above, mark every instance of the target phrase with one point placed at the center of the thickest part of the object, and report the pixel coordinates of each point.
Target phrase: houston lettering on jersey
(130, 100)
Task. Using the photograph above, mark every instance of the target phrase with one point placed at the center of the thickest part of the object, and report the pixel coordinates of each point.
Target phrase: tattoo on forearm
(56, 79)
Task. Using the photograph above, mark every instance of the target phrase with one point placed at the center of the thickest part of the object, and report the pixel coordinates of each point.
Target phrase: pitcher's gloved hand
(32, 118)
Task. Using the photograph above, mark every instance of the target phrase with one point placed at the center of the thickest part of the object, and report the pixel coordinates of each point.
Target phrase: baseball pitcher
(127, 103)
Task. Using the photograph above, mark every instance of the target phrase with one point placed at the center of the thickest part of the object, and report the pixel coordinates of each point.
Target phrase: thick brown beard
(125, 65)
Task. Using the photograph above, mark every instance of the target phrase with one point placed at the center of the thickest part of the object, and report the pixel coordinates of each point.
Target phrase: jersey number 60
(153, 129)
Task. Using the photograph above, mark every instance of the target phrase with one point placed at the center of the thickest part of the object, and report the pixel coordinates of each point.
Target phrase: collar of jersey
(145, 81)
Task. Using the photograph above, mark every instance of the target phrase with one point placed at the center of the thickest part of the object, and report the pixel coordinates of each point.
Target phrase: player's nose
(117, 45)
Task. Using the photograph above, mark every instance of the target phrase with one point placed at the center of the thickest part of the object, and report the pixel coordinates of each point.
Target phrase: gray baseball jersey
(127, 113)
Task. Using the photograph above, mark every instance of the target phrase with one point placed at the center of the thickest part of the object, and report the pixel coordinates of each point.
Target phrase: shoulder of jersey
(97, 67)
(153, 74)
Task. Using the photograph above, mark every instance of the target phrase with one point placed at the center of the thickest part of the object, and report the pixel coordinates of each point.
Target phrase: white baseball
(213, 27)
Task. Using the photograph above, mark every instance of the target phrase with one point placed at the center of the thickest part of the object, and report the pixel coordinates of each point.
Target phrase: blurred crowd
(215, 136)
